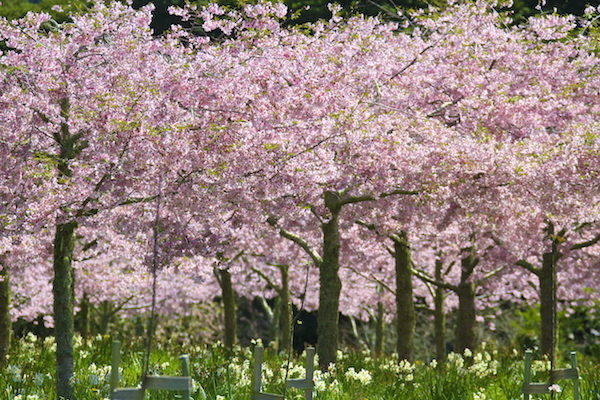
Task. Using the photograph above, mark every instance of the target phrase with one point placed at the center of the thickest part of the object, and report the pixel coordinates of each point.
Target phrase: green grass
(221, 374)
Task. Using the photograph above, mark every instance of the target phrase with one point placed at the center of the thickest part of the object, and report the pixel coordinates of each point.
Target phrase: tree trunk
(84, 317)
(284, 297)
(5, 324)
(439, 317)
(465, 324)
(549, 323)
(379, 330)
(64, 242)
(229, 308)
(331, 285)
(405, 305)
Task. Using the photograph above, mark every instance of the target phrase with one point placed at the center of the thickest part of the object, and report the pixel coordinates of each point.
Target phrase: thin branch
(422, 276)
(586, 244)
(304, 244)
(399, 192)
(266, 278)
(373, 279)
(490, 274)
(528, 266)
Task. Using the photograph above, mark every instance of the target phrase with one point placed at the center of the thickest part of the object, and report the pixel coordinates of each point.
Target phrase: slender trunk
(84, 317)
(274, 327)
(379, 330)
(439, 317)
(5, 324)
(549, 325)
(465, 324)
(405, 305)
(229, 308)
(331, 285)
(64, 241)
(284, 298)
(105, 315)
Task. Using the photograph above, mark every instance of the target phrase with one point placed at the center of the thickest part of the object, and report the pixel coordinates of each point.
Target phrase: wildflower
(31, 338)
(479, 396)
(363, 376)
(15, 371)
(554, 388)
(468, 353)
(38, 379)
(77, 341)
(334, 386)
(219, 397)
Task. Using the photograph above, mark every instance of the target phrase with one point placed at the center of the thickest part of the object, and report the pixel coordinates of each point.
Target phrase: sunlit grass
(221, 374)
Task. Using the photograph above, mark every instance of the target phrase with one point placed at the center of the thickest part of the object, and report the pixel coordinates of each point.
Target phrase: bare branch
(490, 274)
(304, 244)
(528, 266)
(373, 279)
(422, 276)
(267, 279)
(586, 244)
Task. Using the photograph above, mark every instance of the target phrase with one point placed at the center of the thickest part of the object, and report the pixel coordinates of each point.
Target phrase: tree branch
(586, 244)
(528, 266)
(373, 279)
(267, 279)
(427, 279)
(304, 244)
(490, 274)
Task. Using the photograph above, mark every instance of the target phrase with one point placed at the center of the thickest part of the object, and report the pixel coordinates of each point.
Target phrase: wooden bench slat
(127, 394)
(266, 396)
(536, 388)
(569, 373)
(299, 384)
(168, 383)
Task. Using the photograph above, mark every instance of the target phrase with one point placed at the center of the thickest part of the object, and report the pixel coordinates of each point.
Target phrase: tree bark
(439, 317)
(331, 285)
(64, 242)
(284, 297)
(465, 324)
(405, 305)
(5, 324)
(84, 317)
(549, 323)
(229, 308)
(379, 330)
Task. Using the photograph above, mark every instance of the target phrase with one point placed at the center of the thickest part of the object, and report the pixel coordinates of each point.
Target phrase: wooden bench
(530, 388)
(181, 383)
(305, 383)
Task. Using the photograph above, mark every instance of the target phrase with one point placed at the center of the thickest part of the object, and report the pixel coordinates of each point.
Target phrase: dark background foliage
(317, 9)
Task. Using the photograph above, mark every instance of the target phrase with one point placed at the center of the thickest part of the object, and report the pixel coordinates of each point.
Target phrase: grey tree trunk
(405, 305)
(379, 330)
(64, 242)
(549, 322)
(439, 317)
(84, 317)
(547, 289)
(284, 298)
(5, 324)
(331, 285)
(229, 308)
(465, 324)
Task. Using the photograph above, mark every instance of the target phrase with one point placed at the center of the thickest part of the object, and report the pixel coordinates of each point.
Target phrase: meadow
(220, 374)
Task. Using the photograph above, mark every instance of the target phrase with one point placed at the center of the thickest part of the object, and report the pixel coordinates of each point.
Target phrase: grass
(219, 374)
